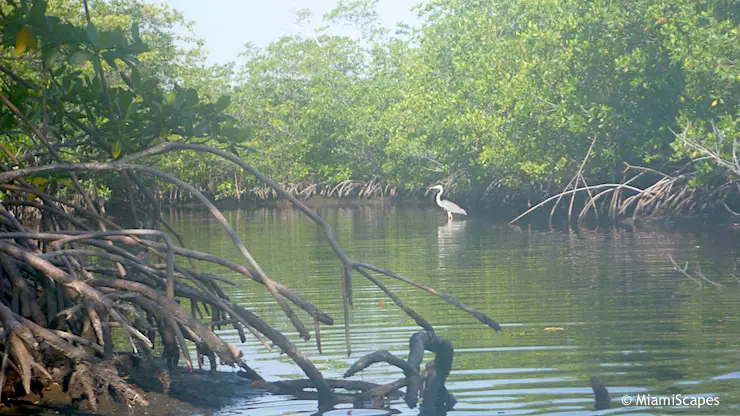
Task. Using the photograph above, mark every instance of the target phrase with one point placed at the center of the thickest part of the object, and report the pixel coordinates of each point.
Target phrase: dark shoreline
(196, 392)
(506, 211)
(538, 219)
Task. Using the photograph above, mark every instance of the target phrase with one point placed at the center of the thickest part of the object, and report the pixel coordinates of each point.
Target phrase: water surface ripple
(626, 316)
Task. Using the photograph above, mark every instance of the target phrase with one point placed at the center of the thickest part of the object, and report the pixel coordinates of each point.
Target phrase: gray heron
(449, 206)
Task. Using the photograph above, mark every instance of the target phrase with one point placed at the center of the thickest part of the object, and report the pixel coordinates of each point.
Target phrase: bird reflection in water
(450, 241)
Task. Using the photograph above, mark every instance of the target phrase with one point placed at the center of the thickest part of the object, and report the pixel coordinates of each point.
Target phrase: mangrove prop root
(669, 196)
(68, 286)
(362, 391)
(602, 400)
(124, 164)
(434, 394)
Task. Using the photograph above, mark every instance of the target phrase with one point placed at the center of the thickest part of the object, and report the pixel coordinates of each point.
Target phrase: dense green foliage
(99, 88)
(501, 95)
(506, 93)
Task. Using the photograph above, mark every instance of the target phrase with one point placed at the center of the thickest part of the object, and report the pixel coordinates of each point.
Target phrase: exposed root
(62, 292)
(362, 394)
(601, 394)
(574, 184)
(669, 196)
(430, 386)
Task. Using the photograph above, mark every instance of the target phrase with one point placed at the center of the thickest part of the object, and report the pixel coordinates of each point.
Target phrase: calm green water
(626, 316)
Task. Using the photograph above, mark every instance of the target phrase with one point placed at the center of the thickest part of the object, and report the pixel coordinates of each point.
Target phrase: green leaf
(97, 65)
(136, 78)
(10, 33)
(80, 57)
(135, 32)
(130, 59)
(137, 48)
(38, 181)
(110, 58)
(223, 102)
(66, 182)
(38, 8)
(124, 98)
(116, 149)
(52, 56)
(132, 109)
(110, 39)
(7, 122)
(191, 96)
(200, 129)
(92, 35)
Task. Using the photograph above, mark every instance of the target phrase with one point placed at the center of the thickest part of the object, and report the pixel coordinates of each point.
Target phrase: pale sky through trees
(226, 25)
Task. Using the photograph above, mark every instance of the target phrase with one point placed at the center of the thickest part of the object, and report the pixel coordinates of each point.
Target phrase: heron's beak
(427, 192)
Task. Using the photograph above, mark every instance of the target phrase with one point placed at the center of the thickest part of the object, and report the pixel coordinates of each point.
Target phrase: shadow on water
(572, 306)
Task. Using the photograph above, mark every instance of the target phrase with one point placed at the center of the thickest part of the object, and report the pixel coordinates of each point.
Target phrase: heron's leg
(449, 216)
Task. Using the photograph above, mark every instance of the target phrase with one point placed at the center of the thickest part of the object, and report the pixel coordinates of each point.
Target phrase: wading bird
(446, 205)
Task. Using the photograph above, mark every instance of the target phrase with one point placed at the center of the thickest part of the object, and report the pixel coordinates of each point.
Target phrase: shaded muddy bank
(576, 206)
(197, 392)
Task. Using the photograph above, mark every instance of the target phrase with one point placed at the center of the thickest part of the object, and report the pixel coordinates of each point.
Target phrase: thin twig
(683, 271)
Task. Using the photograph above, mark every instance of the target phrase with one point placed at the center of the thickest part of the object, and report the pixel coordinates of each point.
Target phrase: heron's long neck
(439, 197)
